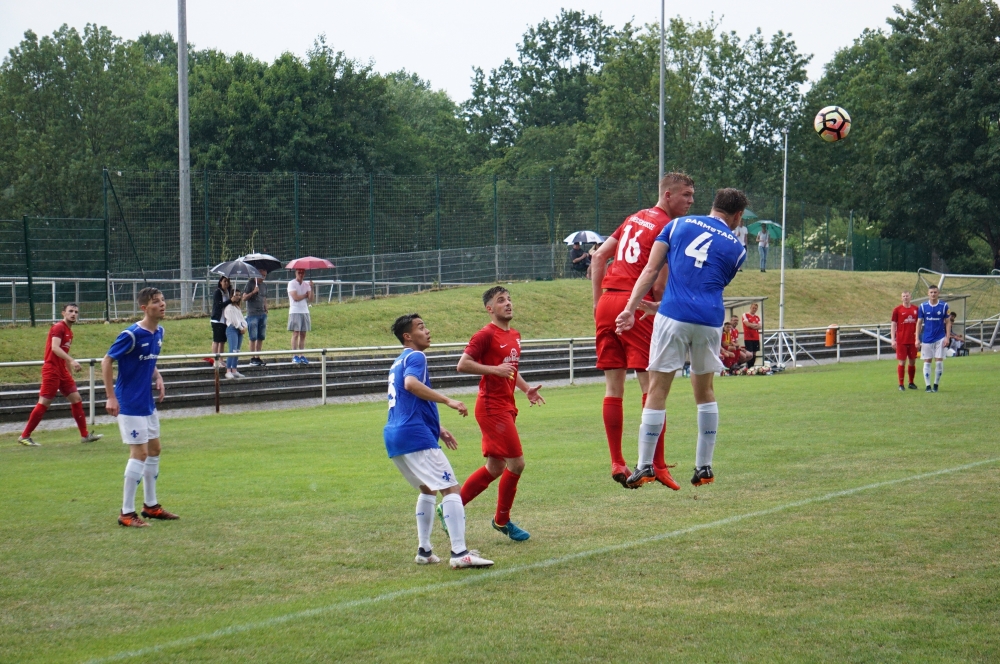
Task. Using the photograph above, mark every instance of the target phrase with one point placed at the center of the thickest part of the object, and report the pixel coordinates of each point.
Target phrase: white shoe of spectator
(229, 374)
(238, 374)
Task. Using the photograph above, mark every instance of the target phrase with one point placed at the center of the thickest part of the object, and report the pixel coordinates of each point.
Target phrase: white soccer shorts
(932, 351)
(674, 340)
(429, 468)
(139, 429)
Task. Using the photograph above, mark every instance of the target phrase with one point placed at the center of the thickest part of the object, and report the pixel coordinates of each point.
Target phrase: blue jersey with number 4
(703, 256)
(934, 316)
(413, 422)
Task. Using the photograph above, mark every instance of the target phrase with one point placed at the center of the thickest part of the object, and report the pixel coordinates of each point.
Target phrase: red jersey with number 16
(905, 319)
(492, 346)
(635, 239)
(53, 361)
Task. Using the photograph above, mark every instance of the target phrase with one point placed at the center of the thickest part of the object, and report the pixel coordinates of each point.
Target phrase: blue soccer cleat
(511, 531)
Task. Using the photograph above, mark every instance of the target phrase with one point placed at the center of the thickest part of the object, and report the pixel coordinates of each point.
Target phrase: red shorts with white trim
(54, 381)
(906, 351)
(625, 351)
(500, 437)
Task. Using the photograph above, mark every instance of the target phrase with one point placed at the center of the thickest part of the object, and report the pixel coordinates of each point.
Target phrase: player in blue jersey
(411, 439)
(131, 401)
(933, 328)
(703, 256)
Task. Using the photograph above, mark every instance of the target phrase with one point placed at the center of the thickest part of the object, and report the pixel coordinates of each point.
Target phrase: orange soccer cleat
(620, 473)
(131, 520)
(157, 512)
(663, 477)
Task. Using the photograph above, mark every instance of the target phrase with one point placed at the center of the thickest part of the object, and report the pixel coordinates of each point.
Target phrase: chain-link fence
(879, 254)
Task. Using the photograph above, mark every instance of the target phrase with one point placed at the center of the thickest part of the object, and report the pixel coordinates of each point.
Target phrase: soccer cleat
(620, 473)
(469, 560)
(928, 389)
(642, 475)
(663, 477)
(902, 389)
(91, 437)
(426, 557)
(131, 520)
(702, 476)
(912, 386)
(28, 442)
(439, 510)
(935, 388)
(512, 531)
(157, 512)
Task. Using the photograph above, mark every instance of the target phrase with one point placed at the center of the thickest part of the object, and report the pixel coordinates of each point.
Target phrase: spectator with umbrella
(300, 293)
(255, 295)
(223, 294)
(236, 327)
(766, 231)
(578, 256)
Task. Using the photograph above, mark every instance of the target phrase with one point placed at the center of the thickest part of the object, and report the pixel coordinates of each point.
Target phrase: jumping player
(933, 327)
(411, 439)
(56, 377)
(131, 401)
(903, 339)
(629, 246)
(494, 353)
(703, 255)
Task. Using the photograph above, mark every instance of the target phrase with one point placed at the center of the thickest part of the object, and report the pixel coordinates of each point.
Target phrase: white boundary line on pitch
(496, 573)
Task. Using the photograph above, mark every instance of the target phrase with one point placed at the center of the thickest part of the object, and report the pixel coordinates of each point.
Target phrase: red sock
(37, 413)
(658, 460)
(81, 419)
(913, 371)
(505, 496)
(476, 484)
(614, 420)
(899, 370)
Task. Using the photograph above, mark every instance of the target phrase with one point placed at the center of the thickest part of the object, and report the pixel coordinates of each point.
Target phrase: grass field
(543, 309)
(826, 537)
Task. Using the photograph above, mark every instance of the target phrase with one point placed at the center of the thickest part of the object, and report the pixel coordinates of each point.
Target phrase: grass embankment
(542, 309)
(297, 536)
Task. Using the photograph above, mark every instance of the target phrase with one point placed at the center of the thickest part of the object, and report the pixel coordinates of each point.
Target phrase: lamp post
(781, 292)
(663, 72)
(184, 157)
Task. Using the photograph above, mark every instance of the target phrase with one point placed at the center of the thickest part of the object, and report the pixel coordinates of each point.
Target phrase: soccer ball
(832, 123)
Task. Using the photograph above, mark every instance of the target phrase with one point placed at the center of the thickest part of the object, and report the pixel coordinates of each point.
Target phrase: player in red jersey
(494, 353)
(903, 338)
(617, 353)
(56, 377)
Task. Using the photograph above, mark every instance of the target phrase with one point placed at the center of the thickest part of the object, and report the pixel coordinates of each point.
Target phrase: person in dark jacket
(220, 299)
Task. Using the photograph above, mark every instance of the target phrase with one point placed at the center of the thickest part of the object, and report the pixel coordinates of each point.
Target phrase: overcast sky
(441, 41)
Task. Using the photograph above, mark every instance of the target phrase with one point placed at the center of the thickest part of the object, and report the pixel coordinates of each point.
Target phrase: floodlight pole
(781, 292)
(663, 72)
(184, 152)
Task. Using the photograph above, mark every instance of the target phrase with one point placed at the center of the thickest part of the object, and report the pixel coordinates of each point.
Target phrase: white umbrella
(583, 237)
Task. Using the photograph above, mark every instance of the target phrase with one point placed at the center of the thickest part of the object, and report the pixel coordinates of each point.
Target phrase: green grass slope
(829, 535)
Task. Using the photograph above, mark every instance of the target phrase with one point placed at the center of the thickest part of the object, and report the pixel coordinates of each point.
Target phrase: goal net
(975, 299)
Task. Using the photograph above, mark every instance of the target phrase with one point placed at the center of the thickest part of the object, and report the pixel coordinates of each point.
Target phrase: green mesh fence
(878, 254)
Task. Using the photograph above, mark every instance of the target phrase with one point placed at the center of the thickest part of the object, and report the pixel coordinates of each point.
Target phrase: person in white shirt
(763, 242)
(300, 293)
(741, 235)
(236, 327)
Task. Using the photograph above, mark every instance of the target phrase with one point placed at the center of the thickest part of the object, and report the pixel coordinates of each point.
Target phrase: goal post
(976, 295)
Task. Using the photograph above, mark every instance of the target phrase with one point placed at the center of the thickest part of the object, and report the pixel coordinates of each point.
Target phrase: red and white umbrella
(309, 263)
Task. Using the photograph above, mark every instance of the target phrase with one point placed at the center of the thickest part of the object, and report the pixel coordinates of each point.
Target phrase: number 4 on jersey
(698, 249)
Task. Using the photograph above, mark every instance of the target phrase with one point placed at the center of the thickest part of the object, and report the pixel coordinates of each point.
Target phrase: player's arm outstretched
(657, 254)
(534, 398)
(421, 391)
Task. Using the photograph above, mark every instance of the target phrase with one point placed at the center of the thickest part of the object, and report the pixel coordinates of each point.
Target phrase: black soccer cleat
(935, 387)
(642, 475)
(902, 389)
(702, 476)
(928, 389)
(912, 386)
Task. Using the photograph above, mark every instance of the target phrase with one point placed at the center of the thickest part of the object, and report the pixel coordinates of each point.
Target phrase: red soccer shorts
(54, 381)
(500, 437)
(626, 351)
(906, 351)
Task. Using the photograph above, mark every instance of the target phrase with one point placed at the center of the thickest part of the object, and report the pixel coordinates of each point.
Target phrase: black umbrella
(236, 268)
(262, 262)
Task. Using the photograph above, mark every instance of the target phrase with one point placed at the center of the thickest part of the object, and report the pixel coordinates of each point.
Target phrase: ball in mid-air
(832, 123)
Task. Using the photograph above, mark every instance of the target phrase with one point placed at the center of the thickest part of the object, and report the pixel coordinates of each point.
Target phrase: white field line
(475, 577)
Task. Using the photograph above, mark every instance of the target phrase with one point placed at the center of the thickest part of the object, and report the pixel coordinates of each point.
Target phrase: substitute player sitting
(704, 256)
(57, 378)
(903, 339)
(131, 401)
(494, 353)
(411, 439)
(629, 246)
(933, 327)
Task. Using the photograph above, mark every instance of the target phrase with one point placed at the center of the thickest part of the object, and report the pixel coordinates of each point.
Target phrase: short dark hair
(70, 304)
(934, 287)
(730, 201)
(147, 294)
(676, 177)
(403, 325)
(492, 293)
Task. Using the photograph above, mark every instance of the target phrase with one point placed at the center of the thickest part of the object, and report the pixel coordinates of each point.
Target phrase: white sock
(454, 516)
(927, 374)
(425, 520)
(133, 475)
(938, 371)
(150, 472)
(708, 425)
(649, 433)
